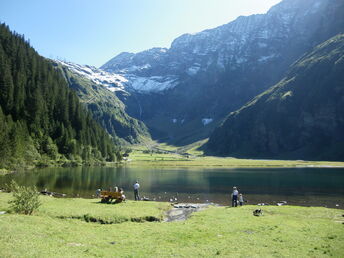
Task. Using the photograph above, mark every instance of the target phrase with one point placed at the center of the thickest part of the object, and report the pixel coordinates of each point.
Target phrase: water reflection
(310, 186)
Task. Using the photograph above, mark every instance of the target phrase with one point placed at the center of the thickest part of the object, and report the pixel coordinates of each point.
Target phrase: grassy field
(167, 155)
(60, 229)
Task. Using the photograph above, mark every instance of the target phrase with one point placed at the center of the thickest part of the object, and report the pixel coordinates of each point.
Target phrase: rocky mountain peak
(254, 38)
(216, 71)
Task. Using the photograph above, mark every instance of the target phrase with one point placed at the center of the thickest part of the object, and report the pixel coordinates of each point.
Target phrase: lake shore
(84, 227)
(171, 159)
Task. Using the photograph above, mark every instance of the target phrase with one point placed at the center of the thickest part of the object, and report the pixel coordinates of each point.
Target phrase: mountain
(301, 117)
(40, 117)
(204, 76)
(97, 91)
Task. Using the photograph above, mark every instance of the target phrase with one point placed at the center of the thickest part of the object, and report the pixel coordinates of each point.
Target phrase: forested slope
(40, 117)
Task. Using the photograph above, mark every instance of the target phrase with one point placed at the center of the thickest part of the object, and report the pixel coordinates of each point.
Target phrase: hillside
(206, 75)
(97, 91)
(301, 117)
(40, 117)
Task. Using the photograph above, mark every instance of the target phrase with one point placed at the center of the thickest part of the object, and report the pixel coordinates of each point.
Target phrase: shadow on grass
(113, 220)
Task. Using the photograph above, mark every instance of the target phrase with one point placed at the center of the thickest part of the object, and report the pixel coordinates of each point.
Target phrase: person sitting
(121, 197)
(122, 194)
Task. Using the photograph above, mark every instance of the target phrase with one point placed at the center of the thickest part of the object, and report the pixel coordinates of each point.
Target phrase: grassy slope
(106, 108)
(282, 231)
(301, 117)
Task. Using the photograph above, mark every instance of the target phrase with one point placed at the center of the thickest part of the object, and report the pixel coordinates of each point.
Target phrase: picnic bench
(108, 196)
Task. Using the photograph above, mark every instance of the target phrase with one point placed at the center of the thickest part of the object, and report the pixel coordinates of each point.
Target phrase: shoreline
(152, 164)
(177, 203)
(171, 161)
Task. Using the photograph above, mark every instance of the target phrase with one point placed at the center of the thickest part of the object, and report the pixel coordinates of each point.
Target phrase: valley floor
(189, 156)
(72, 228)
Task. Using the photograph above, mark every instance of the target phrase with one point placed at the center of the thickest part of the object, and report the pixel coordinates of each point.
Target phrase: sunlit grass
(284, 231)
(138, 157)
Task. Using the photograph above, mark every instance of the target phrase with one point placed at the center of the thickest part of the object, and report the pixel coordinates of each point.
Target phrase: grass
(92, 209)
(284, 231)
(140, 157)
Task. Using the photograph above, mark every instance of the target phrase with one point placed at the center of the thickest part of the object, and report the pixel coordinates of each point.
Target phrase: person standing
(136, 191)
(235, 197)
(241, 200)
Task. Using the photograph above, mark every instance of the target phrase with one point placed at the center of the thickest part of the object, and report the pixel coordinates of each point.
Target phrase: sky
(94, 31)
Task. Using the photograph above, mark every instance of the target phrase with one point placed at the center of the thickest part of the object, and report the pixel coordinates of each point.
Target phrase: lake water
(297, 186)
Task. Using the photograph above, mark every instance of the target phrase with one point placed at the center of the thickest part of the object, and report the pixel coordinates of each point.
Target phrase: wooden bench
(108, 196)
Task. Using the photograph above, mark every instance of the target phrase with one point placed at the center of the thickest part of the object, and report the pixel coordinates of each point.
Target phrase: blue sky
(92, 32)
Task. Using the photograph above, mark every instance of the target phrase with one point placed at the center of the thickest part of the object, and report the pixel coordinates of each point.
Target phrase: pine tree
(39, 114)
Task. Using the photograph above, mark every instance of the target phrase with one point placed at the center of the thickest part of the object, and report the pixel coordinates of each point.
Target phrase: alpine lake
(293, 186)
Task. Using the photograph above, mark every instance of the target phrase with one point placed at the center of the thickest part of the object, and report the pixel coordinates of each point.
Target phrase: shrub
(25, 199)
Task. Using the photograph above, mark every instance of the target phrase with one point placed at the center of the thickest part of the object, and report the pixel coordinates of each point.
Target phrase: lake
(297, 186)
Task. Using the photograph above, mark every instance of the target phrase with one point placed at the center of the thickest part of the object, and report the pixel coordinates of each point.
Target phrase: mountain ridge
(300, 117)
(214, 72)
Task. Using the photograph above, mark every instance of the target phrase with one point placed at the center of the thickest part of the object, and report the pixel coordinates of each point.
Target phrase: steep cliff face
(300, 117)
(209, 74)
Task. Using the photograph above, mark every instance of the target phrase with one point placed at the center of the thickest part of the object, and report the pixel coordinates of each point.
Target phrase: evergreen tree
(39, 115)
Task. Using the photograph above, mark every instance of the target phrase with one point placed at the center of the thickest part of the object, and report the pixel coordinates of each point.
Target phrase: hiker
(235, 197)
(136, 191)
(241, 200)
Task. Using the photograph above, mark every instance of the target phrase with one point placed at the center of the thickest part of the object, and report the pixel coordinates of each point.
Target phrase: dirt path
(182, 211)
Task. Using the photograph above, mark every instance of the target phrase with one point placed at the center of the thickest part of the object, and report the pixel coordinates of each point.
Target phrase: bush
(25, 199)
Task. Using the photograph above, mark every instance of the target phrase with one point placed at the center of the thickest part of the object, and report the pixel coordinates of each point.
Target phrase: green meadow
(86, 228)
(190, 156)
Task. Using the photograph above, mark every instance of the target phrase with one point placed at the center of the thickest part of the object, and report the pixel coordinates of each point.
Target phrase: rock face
(211, 73)
(300, 117)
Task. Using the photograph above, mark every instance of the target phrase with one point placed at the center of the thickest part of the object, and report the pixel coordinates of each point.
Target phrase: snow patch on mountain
(151, 84)
(193, 70)
(123, 82)
(266, 58)
(206, 121)
(111, 81)
(135, 68)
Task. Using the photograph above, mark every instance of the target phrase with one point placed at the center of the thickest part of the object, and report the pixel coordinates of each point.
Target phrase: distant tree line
(40, 117)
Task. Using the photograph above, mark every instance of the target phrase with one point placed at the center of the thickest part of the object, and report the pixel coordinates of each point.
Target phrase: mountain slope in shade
(300, 117)
(209, 74)
(96, 90)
